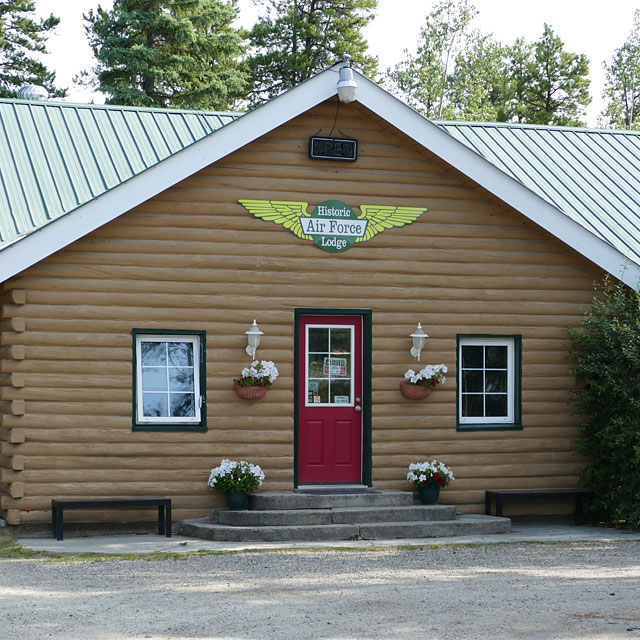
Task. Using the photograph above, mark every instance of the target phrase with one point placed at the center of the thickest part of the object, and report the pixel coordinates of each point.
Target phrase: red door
(330, 399)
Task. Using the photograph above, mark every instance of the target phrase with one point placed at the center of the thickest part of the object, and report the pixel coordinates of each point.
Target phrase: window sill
(489, 427)
(169, 427)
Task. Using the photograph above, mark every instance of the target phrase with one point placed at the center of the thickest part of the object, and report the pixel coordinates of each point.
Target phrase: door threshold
(334, 489)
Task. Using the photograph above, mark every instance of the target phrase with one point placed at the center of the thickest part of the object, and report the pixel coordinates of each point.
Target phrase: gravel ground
(512, 591)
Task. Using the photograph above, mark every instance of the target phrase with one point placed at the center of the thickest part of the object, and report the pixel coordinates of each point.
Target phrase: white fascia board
(497, 182)
(76, 224)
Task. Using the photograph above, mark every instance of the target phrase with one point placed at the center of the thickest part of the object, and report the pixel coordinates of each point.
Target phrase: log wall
(193, 258)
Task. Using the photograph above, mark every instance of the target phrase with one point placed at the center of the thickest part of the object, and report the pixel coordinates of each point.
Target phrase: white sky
(585, 26)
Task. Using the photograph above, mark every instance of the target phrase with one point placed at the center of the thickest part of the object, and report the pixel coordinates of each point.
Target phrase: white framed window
(488, 375)
(329, 365)
(169, 380)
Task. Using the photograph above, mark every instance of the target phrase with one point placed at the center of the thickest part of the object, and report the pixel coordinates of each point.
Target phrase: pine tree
(557, 85)
(168, 53)
(622, 84)
(298, 38)
(20, 36)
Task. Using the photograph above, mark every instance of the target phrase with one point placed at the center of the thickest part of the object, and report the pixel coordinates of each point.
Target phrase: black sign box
(345, 149)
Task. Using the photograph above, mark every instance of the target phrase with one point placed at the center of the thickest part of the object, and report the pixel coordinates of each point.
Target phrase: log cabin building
(138, 246)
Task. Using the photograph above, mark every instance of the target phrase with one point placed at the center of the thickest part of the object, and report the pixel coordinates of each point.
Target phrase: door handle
(358, 409)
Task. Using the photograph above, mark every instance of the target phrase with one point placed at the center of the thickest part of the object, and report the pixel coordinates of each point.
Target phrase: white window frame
(352, 329)
(196, 419)
(509, 419)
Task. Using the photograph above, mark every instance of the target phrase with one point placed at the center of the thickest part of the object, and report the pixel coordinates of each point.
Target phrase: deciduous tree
(622, 83)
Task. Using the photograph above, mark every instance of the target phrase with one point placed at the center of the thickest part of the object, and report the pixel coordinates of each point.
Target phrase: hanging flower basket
(250, 393)
(414, 391)
(417, 386)
(255, 380)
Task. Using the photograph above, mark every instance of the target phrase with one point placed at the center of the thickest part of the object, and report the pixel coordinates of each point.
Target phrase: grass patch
(9, 547)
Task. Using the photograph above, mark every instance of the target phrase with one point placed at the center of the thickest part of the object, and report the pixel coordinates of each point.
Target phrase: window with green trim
(169, 380)
(489, 382)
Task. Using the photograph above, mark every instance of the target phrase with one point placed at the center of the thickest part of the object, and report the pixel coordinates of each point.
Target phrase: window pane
(155, 405)
(154, 353)
(181, 379)
(316, 366)
(182, 405)
(496, 381)
(154, 379)
(496, 405)
(496, 357)
(341, 388)
(323, 391)
(472, 381)
(472, 357)
(340, 340)
(318, 340)
(180, 354)
(472, 406)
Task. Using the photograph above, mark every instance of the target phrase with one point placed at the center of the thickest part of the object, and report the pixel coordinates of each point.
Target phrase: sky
(585, 26)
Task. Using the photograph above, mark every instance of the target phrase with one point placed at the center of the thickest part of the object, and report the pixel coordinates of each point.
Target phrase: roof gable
(114, 202)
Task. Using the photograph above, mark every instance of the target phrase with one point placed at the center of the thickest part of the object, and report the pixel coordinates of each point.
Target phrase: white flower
(430, 373)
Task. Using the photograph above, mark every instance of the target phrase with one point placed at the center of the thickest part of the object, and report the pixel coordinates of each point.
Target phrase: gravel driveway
(509, 591)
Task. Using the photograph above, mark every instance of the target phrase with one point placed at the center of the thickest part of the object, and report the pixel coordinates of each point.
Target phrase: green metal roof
(56, 156)
(591, 175)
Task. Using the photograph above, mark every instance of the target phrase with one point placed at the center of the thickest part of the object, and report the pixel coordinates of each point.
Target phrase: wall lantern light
(347, 87)
(419, 338)
(253, 336)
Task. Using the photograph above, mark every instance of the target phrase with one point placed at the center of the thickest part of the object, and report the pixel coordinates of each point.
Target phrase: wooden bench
(534, 494)
(164, 511)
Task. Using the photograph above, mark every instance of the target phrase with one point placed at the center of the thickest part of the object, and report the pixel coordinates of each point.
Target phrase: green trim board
(367, 446)
(516, 423)
(202, 375)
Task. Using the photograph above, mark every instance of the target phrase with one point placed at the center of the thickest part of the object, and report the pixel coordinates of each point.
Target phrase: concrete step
(338, 515)
(281, 500)
(226, 533)
(460, 526)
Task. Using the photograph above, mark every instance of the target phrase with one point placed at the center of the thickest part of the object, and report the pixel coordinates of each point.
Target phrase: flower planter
(237, 500)
(250, 393)
(428, 495)
(414, 391)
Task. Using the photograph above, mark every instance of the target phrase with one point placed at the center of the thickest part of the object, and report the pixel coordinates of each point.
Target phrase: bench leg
(58, 526)
(168, 520)
(499, 506)
(487, 505)
(161, 519)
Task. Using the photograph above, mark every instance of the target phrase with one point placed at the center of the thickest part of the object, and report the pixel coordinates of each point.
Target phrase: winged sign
(333, 225)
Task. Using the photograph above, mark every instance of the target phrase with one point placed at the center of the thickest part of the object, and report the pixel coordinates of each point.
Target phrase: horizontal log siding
(12, 403)
(193, 258)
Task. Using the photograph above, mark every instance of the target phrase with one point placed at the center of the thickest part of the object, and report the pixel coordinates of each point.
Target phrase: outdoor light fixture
(347, 87)
(419, 338)
(253, 334)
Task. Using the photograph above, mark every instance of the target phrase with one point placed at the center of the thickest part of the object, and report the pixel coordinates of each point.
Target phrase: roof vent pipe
(32, 92)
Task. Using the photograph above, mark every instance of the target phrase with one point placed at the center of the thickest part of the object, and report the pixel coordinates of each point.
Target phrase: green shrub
(606, 362)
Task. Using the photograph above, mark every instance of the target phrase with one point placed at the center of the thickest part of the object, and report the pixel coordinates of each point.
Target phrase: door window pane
(329, 365)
